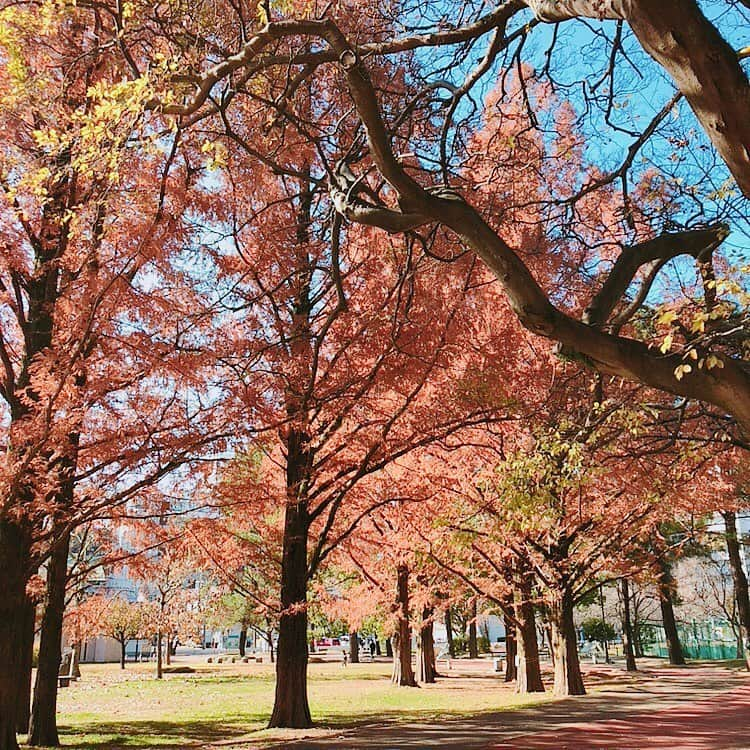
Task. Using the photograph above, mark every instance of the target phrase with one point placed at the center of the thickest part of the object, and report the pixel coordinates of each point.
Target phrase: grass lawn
(111, 709)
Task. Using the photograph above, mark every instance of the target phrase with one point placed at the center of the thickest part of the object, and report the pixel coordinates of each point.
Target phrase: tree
(596, 629)
(590, 332)
(569, 508)
(403, 674)
(166, 570)
(628, 638)
(739, 579)
(124, 621)
(113, 617)
(349, 345)
(666, 587)
(83, 219)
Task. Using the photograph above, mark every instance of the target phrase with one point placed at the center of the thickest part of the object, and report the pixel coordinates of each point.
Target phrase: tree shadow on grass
(126, 735)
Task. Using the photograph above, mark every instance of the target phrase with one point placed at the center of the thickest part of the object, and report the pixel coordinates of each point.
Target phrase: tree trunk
(665, 585)
(426, 671)
(15, 566)
(243, 640)
(449, 632)
(568, 679)
(168, 649)
(637, 634)
(159, 655)
(378, 651)
(529, 672)
(511, 651)
(403, 674)
(43, 730)
(76, 657)
(739, 580)
(27, 665)
(473, 648)
(122, 653)
(354, 647)
(547, 637)
(388, 648)
(291, 708)
(269, 641)
(627, 627)
(10, 662)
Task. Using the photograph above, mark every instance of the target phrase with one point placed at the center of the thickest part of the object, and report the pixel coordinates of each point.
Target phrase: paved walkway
(719, 722)
(696, 708)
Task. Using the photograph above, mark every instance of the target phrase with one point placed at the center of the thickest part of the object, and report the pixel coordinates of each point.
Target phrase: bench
(67, 671)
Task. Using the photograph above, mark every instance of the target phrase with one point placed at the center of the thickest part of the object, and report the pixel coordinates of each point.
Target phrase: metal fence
(709, 639)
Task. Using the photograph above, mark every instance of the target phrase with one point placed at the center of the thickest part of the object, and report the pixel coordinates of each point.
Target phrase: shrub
(596, 629)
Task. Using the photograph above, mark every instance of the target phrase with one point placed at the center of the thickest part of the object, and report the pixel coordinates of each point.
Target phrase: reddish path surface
(716, 723)
(699, 707)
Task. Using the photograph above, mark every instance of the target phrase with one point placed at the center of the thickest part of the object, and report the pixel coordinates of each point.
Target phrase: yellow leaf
(667, 317)
(682, 370)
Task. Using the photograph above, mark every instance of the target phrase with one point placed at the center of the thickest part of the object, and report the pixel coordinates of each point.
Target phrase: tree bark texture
(666, 592)
(403, 674)
(426, 670)
(529, 671)
(159, 655)
(568, 679)
(511, 650)
(15, 552)
(291, 708)
(43, 730)
(27, 655)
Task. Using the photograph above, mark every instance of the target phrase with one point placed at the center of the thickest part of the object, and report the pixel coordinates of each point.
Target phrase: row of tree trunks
(739, 580)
